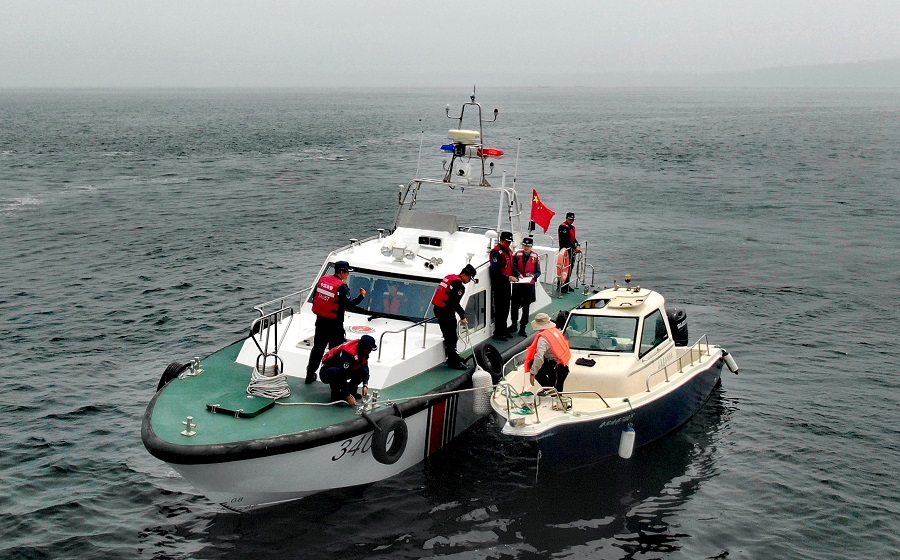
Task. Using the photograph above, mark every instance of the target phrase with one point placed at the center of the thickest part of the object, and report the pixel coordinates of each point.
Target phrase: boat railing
(280, 302)
(423, 323)
(688, 358)
(264, 331)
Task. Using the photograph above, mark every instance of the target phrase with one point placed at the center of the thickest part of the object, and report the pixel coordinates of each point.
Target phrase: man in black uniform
(332, 297)
(346, 366)
(446, 307)
(568, 242)
(501, 288)
(526, 265)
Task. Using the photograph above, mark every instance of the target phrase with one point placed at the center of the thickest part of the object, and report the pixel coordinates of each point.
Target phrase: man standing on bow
(447, 306)
(502, 275)
(548, 354)
(568, 242)
(332, 297)
(525, 265)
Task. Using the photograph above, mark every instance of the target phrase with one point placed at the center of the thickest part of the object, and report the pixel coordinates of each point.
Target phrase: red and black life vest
(442, 294)
(325, 302)
(351, 348)
(506, 266)
(527, 264)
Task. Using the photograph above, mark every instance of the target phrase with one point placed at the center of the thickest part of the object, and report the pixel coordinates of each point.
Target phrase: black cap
(570, 215)
(469, 269)
(506, 236)
(367, 341)
(342, 266)
(528, 241)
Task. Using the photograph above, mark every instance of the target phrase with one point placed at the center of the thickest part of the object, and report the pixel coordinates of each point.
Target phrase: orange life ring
(562, 264)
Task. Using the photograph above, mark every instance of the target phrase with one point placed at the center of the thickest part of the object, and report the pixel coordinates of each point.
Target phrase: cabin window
(607, 334)
(476, 311)
(396, 297)
(654, 332)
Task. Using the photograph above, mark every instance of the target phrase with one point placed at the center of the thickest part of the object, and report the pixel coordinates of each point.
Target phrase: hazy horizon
(171, 44)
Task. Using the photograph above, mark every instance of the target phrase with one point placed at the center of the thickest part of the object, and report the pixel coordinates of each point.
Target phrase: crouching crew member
(501, 277)
(332, 297)
(526, 265)
(446, 307)
(548, 355)
(345, 367)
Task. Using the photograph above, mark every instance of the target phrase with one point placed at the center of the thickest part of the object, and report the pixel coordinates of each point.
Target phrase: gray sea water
(140, 227)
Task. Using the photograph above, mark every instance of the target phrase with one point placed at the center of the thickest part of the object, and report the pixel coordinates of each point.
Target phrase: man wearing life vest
(331, 298)
(344, 367)
(502, 275)
(568, 242)
(447, 306)
(548, 355)
(393, 299)
(525, 265)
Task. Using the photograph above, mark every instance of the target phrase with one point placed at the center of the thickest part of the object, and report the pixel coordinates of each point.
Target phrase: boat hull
(281, 477)
(579, 443)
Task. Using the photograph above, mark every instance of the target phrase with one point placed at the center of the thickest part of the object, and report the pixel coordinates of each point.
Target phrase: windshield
(609, 334)
(391, 296)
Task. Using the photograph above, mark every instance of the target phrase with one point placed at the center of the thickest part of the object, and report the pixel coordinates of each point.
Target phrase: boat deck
(305, 409)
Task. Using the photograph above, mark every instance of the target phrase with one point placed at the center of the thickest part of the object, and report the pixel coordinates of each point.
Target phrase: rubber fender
(491, 360)
(561, 318)
(387, 426)
(170, 373)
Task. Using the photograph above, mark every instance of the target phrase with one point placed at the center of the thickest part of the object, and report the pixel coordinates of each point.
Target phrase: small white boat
(633, 378)
(244, 448)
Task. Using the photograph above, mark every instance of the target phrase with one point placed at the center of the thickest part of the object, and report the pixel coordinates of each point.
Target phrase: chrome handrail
(280, 301)
(424, 324)
(696, 347)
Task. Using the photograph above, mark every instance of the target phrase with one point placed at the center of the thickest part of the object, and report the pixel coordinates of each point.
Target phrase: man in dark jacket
(502, 275)
(447, 306)
(568, 241)
(345, 367)
(332, 297)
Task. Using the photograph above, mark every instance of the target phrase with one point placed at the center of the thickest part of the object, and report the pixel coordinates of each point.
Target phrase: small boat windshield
(396, 297)
(608, 334)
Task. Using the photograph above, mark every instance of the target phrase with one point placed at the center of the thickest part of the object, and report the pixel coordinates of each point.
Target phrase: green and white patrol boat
(245, 430)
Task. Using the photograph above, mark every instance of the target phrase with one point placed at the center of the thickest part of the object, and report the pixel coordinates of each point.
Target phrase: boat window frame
(657, 341)
(374, 276)
(591, 320)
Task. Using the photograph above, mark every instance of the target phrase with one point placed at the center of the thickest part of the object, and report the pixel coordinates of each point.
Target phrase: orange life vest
(558, 345)
(325, 302)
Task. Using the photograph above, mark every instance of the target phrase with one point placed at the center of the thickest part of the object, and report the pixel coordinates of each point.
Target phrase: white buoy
(626, 442)
(483, 384)
(729, 361)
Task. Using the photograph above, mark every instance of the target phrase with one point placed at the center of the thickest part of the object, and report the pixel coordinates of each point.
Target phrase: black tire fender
(491, 360)
(170, 373)
(387, 426)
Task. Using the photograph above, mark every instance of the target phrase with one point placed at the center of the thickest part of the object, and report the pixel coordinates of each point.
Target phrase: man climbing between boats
(345, 367)
(567, 241)
(548, 354)
(446, 302)
(332, 297)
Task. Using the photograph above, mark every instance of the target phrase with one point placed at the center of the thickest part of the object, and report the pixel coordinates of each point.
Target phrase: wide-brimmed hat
(542, 321)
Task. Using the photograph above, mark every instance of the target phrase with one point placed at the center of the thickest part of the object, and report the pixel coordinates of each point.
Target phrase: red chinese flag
(540, 214)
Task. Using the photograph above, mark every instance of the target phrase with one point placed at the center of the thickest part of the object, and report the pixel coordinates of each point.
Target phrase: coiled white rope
(269, 383)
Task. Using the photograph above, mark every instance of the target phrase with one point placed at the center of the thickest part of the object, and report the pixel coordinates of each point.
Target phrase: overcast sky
(187, 43)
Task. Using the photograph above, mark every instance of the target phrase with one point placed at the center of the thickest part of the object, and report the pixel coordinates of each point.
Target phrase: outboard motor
(678, 325)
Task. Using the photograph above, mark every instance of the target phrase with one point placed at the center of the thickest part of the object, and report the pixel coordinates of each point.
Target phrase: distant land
(867, 74)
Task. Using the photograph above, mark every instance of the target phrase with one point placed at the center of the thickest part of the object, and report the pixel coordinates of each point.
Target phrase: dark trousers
(343, 382)
(501, 292)
(330, 333)
(571, 268)
(552, 374)
(522, 296)
(447, 322)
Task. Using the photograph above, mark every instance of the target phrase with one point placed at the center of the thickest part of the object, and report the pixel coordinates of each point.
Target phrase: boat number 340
(352, 446)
